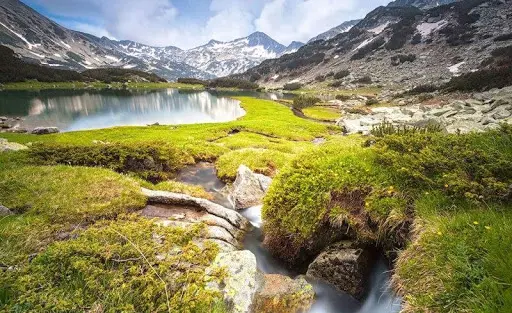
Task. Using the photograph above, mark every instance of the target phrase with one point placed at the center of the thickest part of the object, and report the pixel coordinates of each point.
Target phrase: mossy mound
(377, 195)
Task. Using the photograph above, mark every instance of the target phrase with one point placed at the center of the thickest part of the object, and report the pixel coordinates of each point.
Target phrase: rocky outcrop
(4, 211)
(343, 265)
(45, 130)
(281, 294)
(10, 146)
(249, 188)
(241, 282)
(246, 289)
(483, 111)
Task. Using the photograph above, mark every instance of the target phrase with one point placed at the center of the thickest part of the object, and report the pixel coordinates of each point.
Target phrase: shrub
(341, 74)
(232, 83)
(480, 80)
(330, 74)
(191, 81)
(320, 78)
(335, 84)
(120, 75)
(363, 80)
(387, 128)
(343, 97)
(75, 57)
(503, 37)
(151, 161)
(402, 58)
(372, 101)
(292, 86)
(304, 101)
(416, 39)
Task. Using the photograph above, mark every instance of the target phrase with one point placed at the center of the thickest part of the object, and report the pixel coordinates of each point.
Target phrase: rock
(17, 130)
(4, 211)
(343, 265)
(318, 141)
(3, 118)
(281, 294)
(164, 197)
(473, 102)
(241, 282)
(249, 188)
(45, 130)
(6, 146)
(501, 114)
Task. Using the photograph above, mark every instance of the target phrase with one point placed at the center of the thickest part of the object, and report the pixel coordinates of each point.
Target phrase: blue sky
(190, 23)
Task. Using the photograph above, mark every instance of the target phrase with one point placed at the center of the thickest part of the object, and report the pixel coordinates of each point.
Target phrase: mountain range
(40, 40)
(399, 44)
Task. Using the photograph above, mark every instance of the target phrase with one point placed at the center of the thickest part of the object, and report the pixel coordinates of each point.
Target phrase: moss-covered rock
(281, 294)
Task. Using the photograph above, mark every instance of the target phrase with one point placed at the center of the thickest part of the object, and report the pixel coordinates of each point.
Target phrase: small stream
(380, 298)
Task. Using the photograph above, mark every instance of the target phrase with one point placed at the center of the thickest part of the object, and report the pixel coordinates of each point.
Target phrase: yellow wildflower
(488, 227)
(475, 222)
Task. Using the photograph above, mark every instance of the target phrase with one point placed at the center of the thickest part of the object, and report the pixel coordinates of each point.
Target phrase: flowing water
(71, 110)
(380, 298)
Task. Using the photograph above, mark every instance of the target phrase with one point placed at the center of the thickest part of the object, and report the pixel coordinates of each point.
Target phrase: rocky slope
(40, 40)
(399, 46)
(333, 32)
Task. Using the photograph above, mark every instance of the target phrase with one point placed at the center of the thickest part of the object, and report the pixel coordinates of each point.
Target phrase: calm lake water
(71, 110)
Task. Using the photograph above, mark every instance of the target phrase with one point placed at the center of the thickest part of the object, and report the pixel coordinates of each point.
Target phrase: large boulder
(45, 130)
(10, 146)
(241, 282)
(281, 294)
(249, 188)
(343, 265)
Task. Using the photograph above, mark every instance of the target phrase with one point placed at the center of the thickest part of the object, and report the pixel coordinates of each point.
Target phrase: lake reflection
(78, 110)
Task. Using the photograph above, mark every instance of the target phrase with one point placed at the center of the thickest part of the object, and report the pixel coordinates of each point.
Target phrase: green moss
(119, 267)
(174, 186)
(52, 199)
(260, 160)
(322, 113)
(452, 185)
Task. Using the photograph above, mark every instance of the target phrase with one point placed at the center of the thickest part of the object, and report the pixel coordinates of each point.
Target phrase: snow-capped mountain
(422, 4)
(333, 32)
(224, 58)
(39, 40)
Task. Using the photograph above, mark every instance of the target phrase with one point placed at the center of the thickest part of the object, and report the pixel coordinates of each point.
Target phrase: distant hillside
(399, 46)
(13, 69)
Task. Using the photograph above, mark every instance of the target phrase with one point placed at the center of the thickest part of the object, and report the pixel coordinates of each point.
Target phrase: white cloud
(162, 22)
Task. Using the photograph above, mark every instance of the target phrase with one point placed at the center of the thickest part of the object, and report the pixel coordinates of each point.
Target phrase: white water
(380, 299)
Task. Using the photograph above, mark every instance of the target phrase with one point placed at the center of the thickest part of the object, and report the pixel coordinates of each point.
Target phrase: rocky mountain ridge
(400, 46)
(39, 40)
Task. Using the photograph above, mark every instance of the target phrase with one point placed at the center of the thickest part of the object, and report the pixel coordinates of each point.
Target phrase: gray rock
(473, 102)
(45, 130)
(17, 130)
(501, 114)
(241, 282)
(164, 197)
(3, 118)
(282, 294)
(6, 146)
(343, 265)
(249, 188)
(4, 211)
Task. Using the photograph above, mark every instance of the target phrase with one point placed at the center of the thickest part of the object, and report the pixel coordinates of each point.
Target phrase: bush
(402, 58)
(120, 75)
(320, 78)
(232, 83)
(192, 81)
(304, 101)
(292, 86)
(343, 97)
(480, 80)
(151, 161)
(335, 84)
(416, 39)
(503, 37)
(388, 128)
(363, 80)
(372, 101)
(341, 74)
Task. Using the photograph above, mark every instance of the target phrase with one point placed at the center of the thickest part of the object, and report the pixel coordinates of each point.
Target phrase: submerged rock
(281, 294)
(249, 188)
(45, 130)
(343, 265)
(10, 146)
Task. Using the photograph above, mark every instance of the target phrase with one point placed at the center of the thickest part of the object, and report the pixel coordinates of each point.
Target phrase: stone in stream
(249, 188)
(45, 130)
(281, 294)
(343, 265)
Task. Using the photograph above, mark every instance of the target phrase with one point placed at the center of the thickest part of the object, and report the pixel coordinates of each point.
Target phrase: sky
(191, 23)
